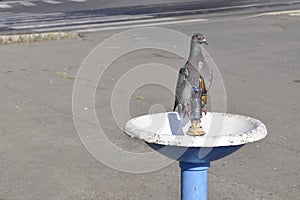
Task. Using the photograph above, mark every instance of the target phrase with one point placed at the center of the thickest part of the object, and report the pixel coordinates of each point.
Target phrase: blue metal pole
(194, 180)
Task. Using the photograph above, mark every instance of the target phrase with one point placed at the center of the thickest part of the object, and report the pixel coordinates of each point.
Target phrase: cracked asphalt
(41, 156)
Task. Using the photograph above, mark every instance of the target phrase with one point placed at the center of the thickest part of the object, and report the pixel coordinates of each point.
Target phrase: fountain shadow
(177, 124)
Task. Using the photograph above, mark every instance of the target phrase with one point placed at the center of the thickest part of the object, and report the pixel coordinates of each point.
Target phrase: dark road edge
(181, 9)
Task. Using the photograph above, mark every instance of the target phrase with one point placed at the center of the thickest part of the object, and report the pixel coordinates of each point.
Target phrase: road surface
(56, 15)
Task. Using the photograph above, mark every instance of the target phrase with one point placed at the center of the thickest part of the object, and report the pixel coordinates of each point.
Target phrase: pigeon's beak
(204, 41)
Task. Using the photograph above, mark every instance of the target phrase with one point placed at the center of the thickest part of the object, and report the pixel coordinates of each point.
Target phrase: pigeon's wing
(181, 82)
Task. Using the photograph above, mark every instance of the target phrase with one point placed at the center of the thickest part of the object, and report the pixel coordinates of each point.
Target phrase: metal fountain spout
(198, 101)
(196, 113)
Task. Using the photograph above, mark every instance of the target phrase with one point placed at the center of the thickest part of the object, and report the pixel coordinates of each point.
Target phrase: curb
(26, 38)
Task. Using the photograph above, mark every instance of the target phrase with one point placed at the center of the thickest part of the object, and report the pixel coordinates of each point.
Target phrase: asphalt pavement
(41, 156)
(28, 16)
(52, 6)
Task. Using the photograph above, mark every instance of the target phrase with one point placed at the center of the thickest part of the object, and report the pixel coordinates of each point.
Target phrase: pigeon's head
(199, 38)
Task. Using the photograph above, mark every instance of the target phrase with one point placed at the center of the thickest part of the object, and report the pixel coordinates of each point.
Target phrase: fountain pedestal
(194, 180)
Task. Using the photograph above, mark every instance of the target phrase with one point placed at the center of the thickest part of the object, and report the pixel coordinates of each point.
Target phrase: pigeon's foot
(186, 111)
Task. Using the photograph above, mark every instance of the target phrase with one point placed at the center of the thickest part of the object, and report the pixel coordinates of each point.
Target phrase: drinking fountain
(167, 133)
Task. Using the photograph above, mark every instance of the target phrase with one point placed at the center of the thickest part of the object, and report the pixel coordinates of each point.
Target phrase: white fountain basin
(221, 130)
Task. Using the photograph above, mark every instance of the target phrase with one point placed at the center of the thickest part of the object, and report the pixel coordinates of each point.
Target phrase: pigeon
(195, 73)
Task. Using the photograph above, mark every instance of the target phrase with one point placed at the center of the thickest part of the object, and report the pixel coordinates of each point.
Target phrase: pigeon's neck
(195, 54)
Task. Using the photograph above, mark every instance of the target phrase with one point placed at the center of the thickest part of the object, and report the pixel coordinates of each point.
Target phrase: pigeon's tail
(175, 104)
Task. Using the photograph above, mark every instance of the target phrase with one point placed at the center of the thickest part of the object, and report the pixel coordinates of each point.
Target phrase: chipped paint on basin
(221, 130)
